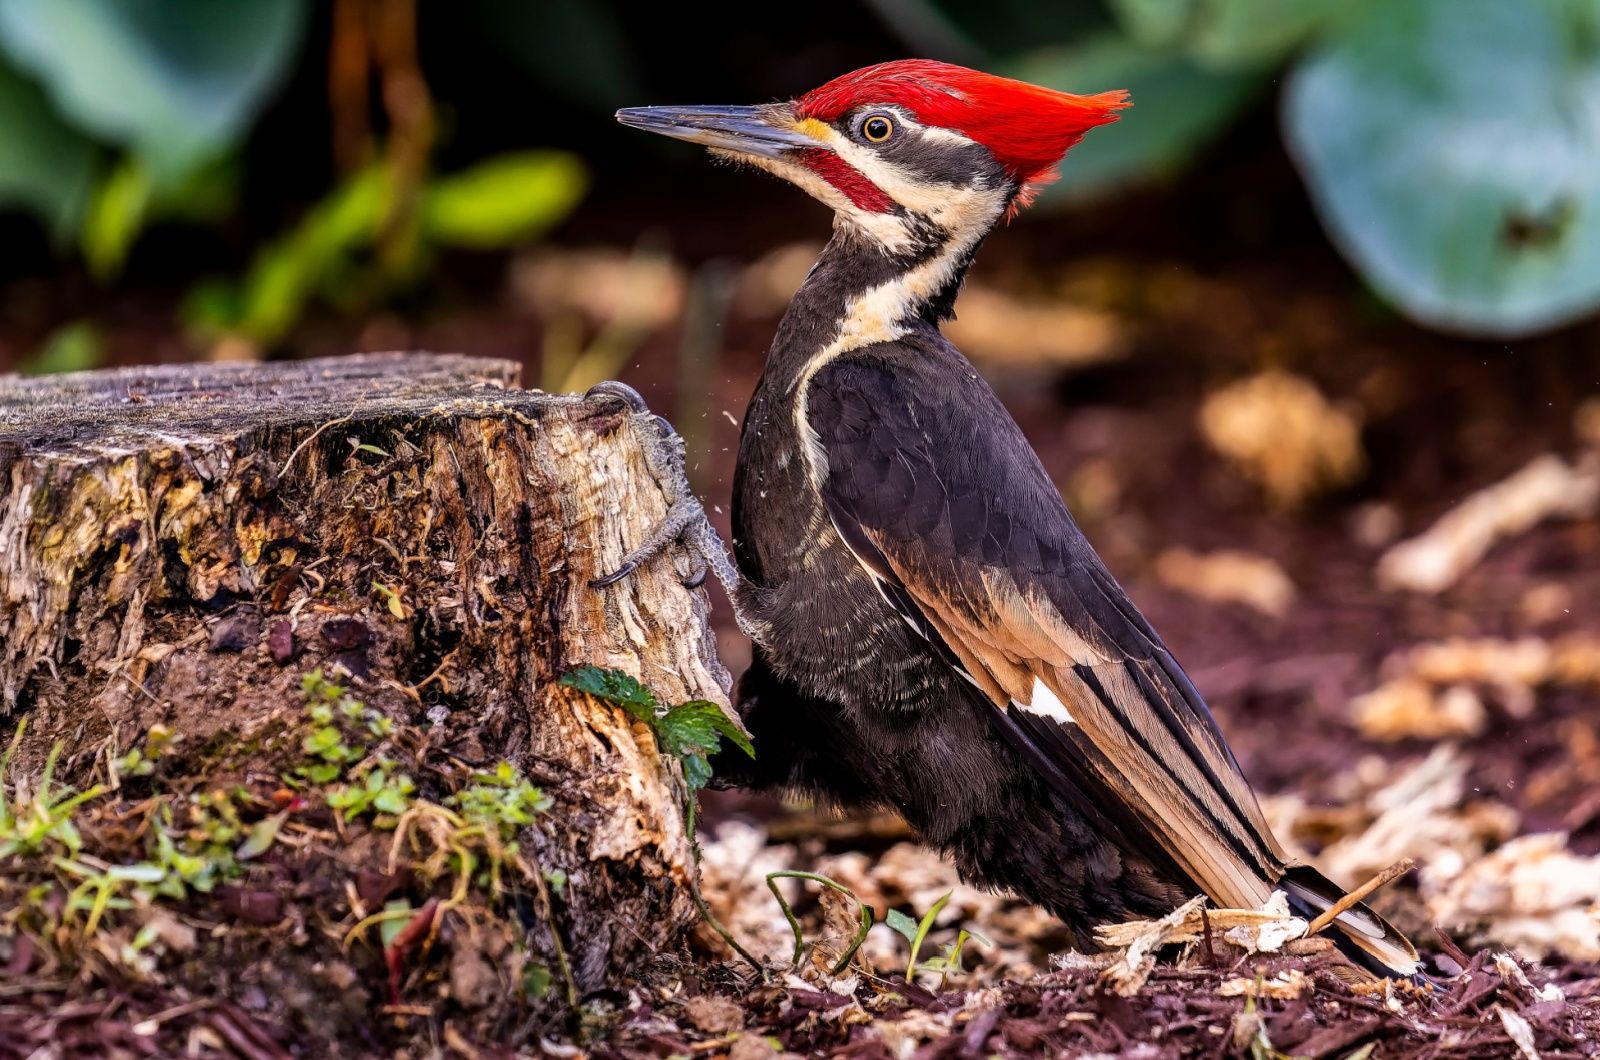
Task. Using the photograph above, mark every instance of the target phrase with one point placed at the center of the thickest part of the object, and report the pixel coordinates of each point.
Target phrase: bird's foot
(685, 523)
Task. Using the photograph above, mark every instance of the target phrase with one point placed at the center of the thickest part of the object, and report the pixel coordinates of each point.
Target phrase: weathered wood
(179, 545)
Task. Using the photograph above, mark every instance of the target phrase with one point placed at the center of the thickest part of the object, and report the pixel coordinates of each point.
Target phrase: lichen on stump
(179, 546)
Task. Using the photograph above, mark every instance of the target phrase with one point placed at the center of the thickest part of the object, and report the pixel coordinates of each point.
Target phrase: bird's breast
(832, 632)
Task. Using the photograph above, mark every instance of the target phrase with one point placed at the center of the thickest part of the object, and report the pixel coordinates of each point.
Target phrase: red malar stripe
(850, 181)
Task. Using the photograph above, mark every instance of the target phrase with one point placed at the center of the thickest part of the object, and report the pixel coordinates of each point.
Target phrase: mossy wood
(180, 545)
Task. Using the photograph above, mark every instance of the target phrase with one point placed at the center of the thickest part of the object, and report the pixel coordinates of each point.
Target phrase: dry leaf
(1281, 432)
(1532, 894)
(1546, 488)
(1408, 708)
(1133, 965)
(1228, 576)
(602, 285)
(1287, 985)
(996, 328)
(1428, 696)
(1520, 1031)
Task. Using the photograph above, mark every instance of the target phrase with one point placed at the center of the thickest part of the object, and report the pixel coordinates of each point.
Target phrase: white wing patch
(1045, 704)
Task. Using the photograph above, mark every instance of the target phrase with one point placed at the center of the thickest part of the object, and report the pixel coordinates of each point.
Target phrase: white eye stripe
(908, 121)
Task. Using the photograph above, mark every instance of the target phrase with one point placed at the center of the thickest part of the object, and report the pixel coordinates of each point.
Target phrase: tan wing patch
(1010, 637)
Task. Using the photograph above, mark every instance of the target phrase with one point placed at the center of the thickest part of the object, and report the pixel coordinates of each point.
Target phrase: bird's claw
(627, 568)
(619, 391)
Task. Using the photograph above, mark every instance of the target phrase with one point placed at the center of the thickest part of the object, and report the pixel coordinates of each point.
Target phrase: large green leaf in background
(45, 165)
(176, 81)
(1176, 108)
(1453, 150)
(1228, 33)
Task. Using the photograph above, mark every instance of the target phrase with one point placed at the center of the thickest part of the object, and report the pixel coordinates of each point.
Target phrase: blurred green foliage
(1450, 146)
(1453, 149)
(115, 114)
(358, 245)
(73, 347)
(170, 87)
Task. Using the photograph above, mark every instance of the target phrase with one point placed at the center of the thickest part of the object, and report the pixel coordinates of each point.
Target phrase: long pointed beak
(766, 131)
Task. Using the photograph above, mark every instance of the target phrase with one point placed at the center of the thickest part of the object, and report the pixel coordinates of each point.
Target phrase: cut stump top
(126, 409)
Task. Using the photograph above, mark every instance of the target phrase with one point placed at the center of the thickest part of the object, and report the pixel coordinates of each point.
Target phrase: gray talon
(614, 577)
(621, 392)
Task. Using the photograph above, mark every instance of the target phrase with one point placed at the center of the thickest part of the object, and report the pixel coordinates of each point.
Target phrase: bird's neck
(858, 294)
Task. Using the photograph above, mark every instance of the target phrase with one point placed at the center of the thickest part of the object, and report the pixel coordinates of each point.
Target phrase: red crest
(1027, 128)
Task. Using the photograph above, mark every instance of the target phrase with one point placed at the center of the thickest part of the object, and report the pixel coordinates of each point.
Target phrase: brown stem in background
(350, 85)
(409, 107)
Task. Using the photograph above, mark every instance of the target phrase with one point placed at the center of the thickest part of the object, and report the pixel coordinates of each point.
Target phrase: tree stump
(179, 546)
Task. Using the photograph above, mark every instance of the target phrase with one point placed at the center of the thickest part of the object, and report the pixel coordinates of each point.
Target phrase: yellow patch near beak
(815, 129)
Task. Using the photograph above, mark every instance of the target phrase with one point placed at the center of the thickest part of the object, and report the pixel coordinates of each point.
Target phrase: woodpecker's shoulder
(916, 441)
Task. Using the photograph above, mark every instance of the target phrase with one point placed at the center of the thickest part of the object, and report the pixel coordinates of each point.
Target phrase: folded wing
(946, 506)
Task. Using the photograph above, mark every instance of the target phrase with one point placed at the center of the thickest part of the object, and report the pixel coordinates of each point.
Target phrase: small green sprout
(380, 792)
(502, 799)
(44, 820)
(141, 761)
(341, 726)
(916, 931)
(863, 911)
(949, 959)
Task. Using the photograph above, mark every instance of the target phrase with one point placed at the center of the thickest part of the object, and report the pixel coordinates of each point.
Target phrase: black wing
(933, 486)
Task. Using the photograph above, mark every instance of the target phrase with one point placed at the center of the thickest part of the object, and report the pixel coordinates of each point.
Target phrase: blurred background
(1307, 338)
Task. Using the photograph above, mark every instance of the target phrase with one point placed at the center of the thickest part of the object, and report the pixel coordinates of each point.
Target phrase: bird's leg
(686, 523)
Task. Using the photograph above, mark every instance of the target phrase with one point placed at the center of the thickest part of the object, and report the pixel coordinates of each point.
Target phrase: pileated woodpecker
(932, 631)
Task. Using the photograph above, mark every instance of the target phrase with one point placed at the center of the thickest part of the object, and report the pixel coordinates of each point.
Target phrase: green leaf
(142, 872)
(179, 81)
(1177, 108)
(536, 980)
(503, 201)
(128, 200)
(395, 798)
(616, 687)
(75, 347)
(323, 740)
(261, 837)
(46, 166)
(321, 772)
(391, 926)
(697, 724)
(924, 926)
(902, 924)
(118, 211)
(288, 273)
(1228, 33)
(696, 770)
(1452, 147)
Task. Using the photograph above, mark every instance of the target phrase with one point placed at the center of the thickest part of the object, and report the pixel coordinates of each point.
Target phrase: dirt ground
(1252, 537)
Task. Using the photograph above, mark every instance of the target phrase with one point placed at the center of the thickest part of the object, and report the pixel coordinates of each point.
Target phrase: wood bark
(180, 545)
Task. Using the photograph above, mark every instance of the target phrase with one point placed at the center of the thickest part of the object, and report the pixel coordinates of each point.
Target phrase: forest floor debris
(1285, 435)
(1547, 488)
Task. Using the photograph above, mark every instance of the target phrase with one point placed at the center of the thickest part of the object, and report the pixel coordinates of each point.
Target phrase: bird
(932, 632)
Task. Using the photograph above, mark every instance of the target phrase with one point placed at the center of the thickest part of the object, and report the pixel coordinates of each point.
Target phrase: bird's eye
(877, 128)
